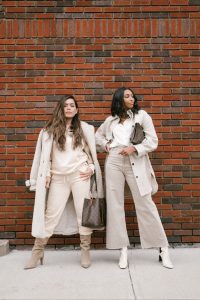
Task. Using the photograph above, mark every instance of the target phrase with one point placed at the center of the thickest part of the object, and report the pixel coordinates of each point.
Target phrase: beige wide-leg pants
(60, 188)
(117, 171)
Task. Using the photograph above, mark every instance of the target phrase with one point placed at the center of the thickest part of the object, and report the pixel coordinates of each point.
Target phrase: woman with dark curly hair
(130, 163)
(65, 158)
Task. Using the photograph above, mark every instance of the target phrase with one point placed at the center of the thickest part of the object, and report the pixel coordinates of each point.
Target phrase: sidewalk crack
(133, 289)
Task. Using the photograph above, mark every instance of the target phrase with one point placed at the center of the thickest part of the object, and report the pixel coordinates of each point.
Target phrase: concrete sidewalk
(61, 277)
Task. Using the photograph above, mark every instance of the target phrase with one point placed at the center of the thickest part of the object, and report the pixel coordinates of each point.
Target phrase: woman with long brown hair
(64, 160)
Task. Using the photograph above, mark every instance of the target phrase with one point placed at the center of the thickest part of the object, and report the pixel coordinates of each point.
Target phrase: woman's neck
(124, 115)
(68, 123)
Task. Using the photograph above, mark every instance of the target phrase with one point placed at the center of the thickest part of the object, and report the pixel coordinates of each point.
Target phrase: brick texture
(90, 48)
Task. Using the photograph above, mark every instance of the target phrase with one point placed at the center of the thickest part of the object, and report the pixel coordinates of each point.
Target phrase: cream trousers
(60, 188)
(118, 170)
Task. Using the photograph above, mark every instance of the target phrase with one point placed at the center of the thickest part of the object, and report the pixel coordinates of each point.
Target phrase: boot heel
(37, 254)
(41, 260)
(160, 258)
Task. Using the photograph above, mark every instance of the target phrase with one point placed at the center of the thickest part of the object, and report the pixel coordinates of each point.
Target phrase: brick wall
(90, 48)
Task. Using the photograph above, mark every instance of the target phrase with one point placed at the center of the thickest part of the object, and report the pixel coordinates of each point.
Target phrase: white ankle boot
(123, 261)
(164, 257)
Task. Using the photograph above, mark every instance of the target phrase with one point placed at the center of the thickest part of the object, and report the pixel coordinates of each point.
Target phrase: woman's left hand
(87, 174)
(47, 183)
(127, 150)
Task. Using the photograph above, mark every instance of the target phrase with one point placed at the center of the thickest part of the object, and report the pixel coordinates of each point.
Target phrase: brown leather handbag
(137, 135)
(94, 210)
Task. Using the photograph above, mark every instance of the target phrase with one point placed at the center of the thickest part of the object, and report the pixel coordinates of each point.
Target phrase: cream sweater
(70, 160)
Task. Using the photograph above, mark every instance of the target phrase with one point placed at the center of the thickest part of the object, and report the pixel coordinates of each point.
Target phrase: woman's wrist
(91, 166)
(107, 146)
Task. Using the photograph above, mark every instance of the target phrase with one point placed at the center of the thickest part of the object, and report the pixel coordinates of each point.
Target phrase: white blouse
(121, 133)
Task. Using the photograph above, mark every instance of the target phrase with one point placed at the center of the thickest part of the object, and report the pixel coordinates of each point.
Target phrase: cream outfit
(140, 162)
(60, 189)
(65, 169)
(137, 171)
(67, 224)
(118, 170)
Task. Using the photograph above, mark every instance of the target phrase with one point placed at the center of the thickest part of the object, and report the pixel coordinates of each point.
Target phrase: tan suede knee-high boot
(37, 253)
(85, 250)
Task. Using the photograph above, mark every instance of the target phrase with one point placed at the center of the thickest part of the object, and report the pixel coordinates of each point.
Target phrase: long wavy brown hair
(58, 122)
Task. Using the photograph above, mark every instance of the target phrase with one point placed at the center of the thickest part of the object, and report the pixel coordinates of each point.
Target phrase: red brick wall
(90, 48)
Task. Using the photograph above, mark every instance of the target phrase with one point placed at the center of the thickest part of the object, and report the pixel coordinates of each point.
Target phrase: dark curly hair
(117, 106)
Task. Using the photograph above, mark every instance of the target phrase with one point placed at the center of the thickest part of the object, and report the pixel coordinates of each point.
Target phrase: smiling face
(128, 99)
(70, 109)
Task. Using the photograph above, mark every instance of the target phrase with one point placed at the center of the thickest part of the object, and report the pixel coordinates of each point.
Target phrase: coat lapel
(47, 145)
(89, 136)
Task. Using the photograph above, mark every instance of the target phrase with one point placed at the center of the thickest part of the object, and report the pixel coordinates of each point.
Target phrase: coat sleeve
(31, 183)
(49, 164)
(100, 137)
(150, 143)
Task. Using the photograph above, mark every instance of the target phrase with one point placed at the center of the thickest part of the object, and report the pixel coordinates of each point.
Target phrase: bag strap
(93, 184)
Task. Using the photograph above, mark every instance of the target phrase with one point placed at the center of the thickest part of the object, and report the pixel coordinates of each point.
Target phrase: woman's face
(128, 99)
(70, 109)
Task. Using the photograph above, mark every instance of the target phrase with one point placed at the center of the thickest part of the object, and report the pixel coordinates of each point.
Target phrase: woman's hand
(87, 174)
(127, 150)
(107, 147)
(48, 180)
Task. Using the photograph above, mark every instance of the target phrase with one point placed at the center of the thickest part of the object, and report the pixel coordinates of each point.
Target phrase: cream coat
(141, 165)
(68, 222)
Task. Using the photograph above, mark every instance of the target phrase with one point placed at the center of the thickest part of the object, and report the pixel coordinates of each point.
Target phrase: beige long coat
(140, 162)
(68, 222)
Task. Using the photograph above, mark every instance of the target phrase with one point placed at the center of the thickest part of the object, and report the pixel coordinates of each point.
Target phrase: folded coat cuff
(30, 182)
(140, 150)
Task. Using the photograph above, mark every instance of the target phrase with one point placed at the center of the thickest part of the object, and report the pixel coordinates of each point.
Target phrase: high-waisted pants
(60, 188)
(118, 170)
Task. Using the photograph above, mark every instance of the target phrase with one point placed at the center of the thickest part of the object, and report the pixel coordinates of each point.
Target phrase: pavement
(62, 277)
